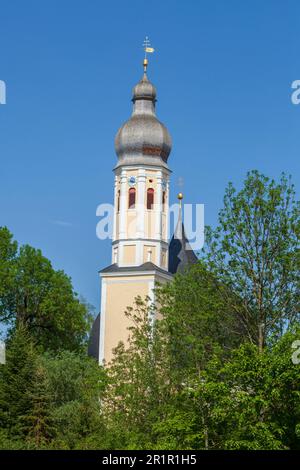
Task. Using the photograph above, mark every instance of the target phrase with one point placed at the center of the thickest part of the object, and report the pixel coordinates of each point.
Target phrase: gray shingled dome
(143, 136)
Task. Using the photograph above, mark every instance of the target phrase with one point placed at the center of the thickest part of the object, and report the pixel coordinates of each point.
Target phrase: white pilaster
(141, 189)
(123, 203)
(158, 206)
(115, 208)
(158, 214)
(102, 323)
(165, 235)
(139, 253)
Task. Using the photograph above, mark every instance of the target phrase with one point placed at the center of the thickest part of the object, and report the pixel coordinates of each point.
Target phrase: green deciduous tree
(213, 371)
(49, 401)
(76, 384)
(43, 299)
(244, 399)
(8, 253)
(197, 319)
(255, 252)
(138, 382)
(258, 407)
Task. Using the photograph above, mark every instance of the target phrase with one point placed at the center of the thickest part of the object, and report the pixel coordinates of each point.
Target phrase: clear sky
(223, 72)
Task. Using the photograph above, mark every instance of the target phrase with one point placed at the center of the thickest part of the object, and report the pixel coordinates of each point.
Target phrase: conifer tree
(38, 422)
(16, 380)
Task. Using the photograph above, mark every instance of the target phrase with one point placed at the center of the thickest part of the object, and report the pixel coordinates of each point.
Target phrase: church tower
(141, 255)
(141, 205)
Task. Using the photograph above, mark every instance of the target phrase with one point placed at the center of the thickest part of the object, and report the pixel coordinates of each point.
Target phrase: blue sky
(223, 72)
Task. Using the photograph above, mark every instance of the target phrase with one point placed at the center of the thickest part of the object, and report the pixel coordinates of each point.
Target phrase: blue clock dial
(132, 180)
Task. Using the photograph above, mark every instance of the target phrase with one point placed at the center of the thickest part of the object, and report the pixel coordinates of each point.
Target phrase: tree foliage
(245, 399)
(255, 252)
(197, 317)
(47, 400)
(209, 366)
(34, 294)
(16, 382)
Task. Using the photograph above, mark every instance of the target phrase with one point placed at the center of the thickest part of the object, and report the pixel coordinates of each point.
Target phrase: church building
(141, 252)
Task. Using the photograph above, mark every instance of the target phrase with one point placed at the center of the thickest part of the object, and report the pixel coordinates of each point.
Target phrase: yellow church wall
(131, 223)
(164, 226)
(164, 258)
(120, 294)
(150, 224)
(129, 254)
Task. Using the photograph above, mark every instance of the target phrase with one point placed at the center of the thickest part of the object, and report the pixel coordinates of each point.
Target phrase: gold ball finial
(180, 196)
(145, 64)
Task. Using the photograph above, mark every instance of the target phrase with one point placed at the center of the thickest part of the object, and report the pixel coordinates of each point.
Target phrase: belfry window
(131, 199)
(150, 198)
(163, 200)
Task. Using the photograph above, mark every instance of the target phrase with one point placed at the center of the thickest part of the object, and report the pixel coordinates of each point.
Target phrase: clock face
(132, 180)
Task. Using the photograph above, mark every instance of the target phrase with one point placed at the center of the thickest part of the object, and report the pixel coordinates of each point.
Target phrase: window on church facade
(164, 200)
(131, 199)
(150, 198)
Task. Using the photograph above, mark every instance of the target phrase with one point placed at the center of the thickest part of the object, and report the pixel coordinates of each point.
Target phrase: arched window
(131, 199)
(118, 201)
(163, 200)
(150, 198)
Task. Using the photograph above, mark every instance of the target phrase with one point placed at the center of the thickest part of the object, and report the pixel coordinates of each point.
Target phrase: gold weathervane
(148, 50)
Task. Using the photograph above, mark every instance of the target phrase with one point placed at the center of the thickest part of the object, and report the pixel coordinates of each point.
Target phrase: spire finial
(180, 197)
(148, 50)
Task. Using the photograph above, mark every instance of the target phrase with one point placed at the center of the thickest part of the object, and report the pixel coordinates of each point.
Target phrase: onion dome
(143, 139)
